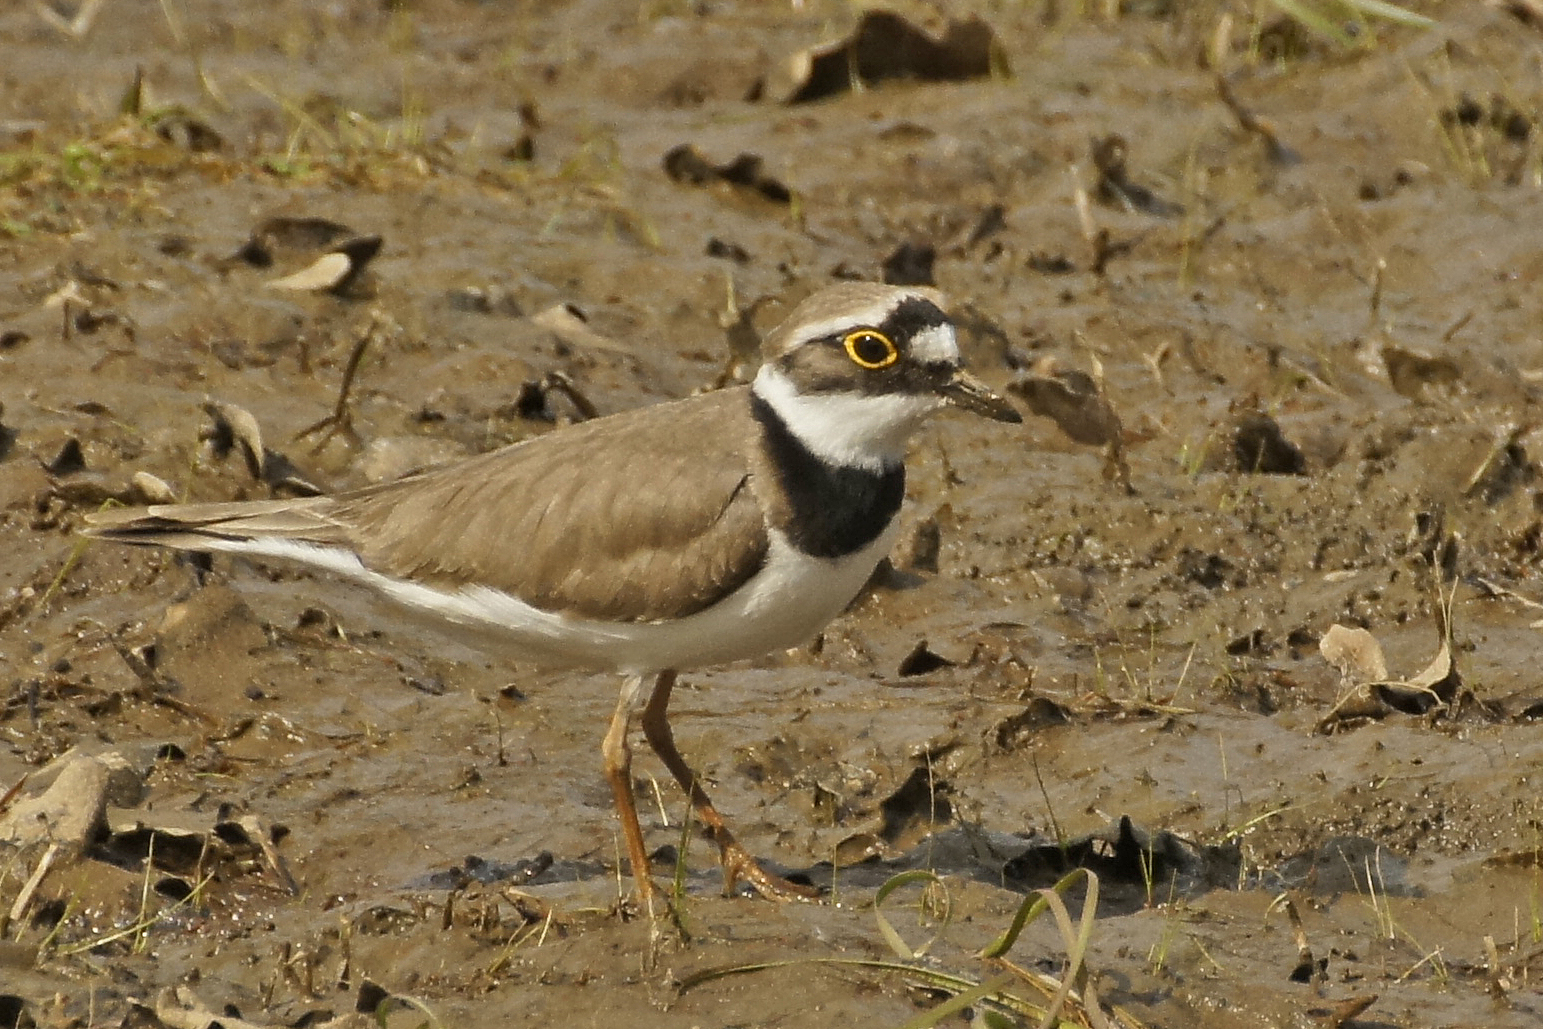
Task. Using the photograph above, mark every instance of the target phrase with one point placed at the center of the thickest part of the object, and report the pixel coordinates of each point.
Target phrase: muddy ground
(1310, 297)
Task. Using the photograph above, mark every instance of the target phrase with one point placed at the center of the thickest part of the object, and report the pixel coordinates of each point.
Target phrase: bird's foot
(739, 865)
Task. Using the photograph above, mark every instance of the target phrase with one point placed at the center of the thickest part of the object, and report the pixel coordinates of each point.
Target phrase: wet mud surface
(1277, 338)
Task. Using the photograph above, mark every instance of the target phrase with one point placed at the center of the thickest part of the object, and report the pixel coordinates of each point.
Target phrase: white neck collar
(856, 430)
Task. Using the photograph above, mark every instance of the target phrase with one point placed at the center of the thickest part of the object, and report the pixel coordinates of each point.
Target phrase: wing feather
(641, 516)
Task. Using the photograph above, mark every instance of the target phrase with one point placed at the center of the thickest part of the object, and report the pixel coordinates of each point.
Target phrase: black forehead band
(910, 316)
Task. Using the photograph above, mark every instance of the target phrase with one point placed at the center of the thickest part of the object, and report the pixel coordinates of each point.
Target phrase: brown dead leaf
(180, 1008)
(570, 325)
(1077, 402)
(1261, 447)
(1346, 1011)
(322, 274)
(1437, 675)
(276, 239)
(1355, 653)
(1074, 400)
(884, 45)
(336, 271)
(151, 489)
(236, 428)
(1410, 373)
(1359, 658)
(686, 164)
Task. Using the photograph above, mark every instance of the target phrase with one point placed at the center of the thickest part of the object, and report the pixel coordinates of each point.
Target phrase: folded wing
(646, 515)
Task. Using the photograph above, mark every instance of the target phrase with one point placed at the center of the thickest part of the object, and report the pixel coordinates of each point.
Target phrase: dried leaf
(1346, 1011)
(325, 273)
(1074, 400)
(179, 1008)
(568, 323)
(235, 426)
(151, 489)
(1355, 653)
(1115, 188)
(885, 45)
(1433, 687)
(686, 164)
(1411, 373)
(278, 237)
(1261, 448)
(1437, 672)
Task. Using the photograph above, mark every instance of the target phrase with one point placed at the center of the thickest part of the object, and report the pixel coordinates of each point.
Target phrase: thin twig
(341, 419)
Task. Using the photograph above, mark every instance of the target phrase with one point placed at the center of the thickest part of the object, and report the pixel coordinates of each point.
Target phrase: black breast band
(836, 509)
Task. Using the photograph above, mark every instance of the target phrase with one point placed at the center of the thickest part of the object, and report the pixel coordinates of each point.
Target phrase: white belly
(783, 605)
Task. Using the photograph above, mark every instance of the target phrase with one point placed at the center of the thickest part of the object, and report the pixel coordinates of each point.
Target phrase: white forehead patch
(935, 344)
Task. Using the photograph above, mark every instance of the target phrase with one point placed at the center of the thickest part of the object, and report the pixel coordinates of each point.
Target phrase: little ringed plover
(685, 534)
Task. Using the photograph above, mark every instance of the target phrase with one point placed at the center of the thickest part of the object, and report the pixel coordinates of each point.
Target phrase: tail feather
(207, 526)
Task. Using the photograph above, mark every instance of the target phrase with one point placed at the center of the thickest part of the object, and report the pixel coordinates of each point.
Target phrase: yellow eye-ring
(871, 349)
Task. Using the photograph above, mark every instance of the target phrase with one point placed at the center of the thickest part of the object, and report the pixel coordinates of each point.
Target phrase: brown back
(644, 515)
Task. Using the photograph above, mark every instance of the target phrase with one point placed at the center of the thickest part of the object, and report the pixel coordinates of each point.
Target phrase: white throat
(856, 430)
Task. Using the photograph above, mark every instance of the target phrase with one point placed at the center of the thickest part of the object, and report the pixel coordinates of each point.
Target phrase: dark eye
(869, 348)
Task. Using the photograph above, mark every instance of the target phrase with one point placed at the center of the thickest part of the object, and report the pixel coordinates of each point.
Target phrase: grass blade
(1392, 12)
(1076, 941)
(1032, 907)
(1313, 20)
(930, 977)
(892, 937)
(958, 1002)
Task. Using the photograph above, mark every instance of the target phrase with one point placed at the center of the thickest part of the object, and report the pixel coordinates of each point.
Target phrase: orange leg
(736, 860)
(618, 770)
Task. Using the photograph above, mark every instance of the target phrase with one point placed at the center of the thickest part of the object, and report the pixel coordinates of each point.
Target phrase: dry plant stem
(563, 384)
(263, 836)
(10, 794)
(1345, 1012)
(1117, 468)
(29, 889)
(737, 862)
(1055, 826)
(1305, 961)
(1248, 121)
(340, 420)
(1494, 588)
